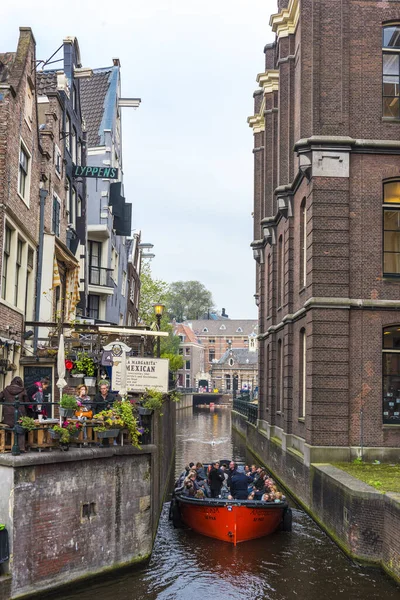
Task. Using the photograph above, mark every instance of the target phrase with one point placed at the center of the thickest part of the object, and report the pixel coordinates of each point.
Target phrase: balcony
(100, 277)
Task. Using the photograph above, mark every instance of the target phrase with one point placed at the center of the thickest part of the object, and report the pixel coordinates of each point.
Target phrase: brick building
(326, 228)
(192, 351)
(219, 335)
(236, 370)
(20, 160)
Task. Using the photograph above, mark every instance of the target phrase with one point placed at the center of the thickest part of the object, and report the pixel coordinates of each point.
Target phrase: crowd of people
(231, 483)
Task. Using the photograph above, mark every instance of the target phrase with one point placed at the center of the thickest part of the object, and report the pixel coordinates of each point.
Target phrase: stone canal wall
(362, 521)
(75, 514)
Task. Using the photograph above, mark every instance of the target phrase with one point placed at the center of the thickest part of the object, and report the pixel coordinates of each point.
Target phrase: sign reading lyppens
(141, 373)
(98, 172)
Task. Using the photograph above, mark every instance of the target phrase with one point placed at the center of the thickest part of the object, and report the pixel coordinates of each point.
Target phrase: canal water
(303, 564)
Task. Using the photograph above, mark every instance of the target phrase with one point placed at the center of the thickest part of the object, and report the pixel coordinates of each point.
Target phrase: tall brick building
(20, 160)
(326, 130)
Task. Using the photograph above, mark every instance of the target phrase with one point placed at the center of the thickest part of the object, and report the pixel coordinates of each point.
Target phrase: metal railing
(243, 406)
(100, 276)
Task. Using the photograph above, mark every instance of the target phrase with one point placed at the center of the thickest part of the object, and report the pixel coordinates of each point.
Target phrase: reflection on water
(302, 564)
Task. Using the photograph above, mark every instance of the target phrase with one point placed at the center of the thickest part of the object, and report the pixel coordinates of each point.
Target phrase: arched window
(268, 286)
(391, 71)
(222, 327)
(391, 228)
(205, 330)
(302, 373)
(231, 362)
(303, 244)
(279, 282)
(391, 375)
(279, 377)
(228, 382)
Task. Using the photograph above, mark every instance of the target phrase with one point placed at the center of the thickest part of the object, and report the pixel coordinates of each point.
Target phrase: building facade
(236, 371)
(326, 227)
(218, 336)
(134, 266)
(109, 215)
(20, 163)
(192, 351)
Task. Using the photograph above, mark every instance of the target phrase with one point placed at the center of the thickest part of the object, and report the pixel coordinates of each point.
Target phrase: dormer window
(222, 327)
(239, 330)
(205, 330)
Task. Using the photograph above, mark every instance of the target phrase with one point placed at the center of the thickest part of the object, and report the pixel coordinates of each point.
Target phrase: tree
(188, 300)
(151, 291)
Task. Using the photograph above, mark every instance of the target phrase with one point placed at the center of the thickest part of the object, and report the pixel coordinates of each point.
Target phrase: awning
(128, 331)
(64, 254)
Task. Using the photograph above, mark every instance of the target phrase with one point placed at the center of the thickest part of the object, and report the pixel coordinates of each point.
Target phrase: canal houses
(109, 215)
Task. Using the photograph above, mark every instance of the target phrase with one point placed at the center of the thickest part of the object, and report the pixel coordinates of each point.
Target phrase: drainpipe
(42, 194)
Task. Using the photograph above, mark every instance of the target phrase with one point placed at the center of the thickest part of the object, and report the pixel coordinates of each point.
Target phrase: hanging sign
(141, 373)
(97, 172)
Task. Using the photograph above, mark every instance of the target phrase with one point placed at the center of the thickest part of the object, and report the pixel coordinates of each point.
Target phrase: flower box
(109, 433)
(67, 412)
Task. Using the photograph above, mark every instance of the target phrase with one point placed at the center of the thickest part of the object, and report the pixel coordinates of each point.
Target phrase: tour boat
(231, 521)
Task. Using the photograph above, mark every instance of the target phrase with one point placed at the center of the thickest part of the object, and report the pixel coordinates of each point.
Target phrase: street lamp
(158, 310)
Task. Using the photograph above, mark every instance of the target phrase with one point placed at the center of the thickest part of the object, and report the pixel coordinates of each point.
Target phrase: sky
(187, 151)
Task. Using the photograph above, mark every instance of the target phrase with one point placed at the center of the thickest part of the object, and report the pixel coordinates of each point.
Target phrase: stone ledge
(354, 486)
(77, 454)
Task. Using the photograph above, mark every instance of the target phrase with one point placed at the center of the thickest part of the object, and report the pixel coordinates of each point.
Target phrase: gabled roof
(46, 81)
(189, 334)
(99, 102)
(241, 356)
(6, 63)
(224, 327)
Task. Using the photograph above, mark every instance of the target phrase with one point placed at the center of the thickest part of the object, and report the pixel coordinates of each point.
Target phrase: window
(29, 281)
(187, 365)
(222, 327)
(55, 227)
(6, 259)
(187, 381)
(74, 141)
(279, 282)
(94, 262)
(93, 306)
(231, 362)
(239, 330)
(391, 375)
(279, 377)
(57, 160)
(211, 354)
(28, 105)
(211, 341)
(130, 319)
(123, 286)
(205, 330)
(268, 285)
(227, 383)
(132, 291)
(303, 243)
(78, 152)
(302, 373)
(187, 351)
(18, 267)
(23, 178)
(79, 207)
(180, 351)
(68, 133)
(74, 97)
(72, 207)
(391, 71)
(391, 228)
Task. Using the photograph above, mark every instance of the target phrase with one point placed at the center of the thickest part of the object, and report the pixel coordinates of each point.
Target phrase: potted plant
(66, 433)
(25, 424)
(68, 405)
(120, 416)
(109, 423)
(84, 365)
(150, 401)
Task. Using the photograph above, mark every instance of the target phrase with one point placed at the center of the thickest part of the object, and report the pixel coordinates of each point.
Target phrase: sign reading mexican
(98, 172)
(141, 373)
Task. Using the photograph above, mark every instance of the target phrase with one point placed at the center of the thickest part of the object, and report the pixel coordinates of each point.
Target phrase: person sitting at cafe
(9, 395)
(104, 399)
(85, 403)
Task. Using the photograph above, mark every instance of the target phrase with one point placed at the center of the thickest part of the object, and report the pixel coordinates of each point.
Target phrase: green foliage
(375, 483)
(109, 419)
(27, 423)
(151, 291)
(125, 410)
(358, 461)
(84, 364)
(175, 396)
(170, 344)
(152, 399)
(383, 477)
(176, 361)
(188, 300)
(68, 402)
(67, 431)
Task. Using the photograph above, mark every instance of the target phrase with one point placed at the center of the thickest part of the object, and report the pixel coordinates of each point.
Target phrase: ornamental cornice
(285, 22)
(257, 123)
(269, 81)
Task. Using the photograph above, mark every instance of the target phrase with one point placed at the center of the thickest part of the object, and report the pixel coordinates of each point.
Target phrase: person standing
(35, 394)
(215, 480)
(9, 395)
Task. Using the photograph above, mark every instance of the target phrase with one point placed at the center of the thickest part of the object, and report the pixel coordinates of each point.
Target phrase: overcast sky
(188, 165)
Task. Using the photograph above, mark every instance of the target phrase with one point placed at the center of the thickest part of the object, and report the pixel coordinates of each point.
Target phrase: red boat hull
(231, 522)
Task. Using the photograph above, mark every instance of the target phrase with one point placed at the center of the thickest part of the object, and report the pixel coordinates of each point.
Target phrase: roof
(46, 81)
(6, 63)
(98, 102)
(226, 327)
(189, 334)
(241, 356)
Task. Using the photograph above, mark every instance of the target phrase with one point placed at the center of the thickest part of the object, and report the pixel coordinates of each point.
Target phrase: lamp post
(158, 310)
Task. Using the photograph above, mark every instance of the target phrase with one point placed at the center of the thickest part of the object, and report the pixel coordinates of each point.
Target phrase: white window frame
(58, 161)
(25, 198)
(123, 284)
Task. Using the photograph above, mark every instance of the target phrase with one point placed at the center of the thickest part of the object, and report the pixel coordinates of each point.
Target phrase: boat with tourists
(226, 517)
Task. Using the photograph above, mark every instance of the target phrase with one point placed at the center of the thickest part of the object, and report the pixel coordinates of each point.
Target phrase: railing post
(15, 451)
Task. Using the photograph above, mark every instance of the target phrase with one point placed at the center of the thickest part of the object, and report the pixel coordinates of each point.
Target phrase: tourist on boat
(238, 487)
(231, 472)
(201, 472)
(259, 483)
(215, 480)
